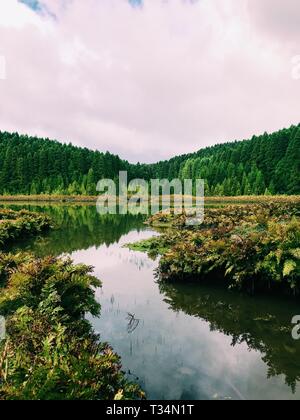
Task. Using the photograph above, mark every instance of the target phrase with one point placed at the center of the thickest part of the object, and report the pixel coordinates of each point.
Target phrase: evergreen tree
(265, 164)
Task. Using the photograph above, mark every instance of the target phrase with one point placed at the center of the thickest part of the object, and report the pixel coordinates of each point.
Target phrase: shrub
(51, 351)
(19, 224)
(250, 247)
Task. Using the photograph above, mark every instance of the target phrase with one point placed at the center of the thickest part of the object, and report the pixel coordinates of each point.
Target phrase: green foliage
(250, 247)
(17, 225)
(153, 246)
(266, 164)
(227, 215)
(51, 351)
(31, 165)
(269, 164)
(80, 227)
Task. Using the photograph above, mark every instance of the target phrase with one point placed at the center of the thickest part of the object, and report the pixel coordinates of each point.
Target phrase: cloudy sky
(149, 80)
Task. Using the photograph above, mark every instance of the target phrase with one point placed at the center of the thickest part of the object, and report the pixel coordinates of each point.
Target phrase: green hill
(266, 164)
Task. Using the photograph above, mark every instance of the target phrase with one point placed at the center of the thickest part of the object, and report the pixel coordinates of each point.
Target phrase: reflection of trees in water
(263, 324)
(79, 227)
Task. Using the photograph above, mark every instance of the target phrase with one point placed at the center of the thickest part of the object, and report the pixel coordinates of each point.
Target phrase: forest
(268, 164)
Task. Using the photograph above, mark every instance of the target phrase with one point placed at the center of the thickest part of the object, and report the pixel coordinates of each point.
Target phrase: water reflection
(262, 324)
(179, 350)
(180, 341)
(77, 227)
(133, 323)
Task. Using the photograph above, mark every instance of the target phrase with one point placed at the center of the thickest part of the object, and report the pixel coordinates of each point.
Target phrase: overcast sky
(149, 81)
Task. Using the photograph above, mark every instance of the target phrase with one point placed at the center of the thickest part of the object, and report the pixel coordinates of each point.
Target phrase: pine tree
(90, 183)
(268, 163)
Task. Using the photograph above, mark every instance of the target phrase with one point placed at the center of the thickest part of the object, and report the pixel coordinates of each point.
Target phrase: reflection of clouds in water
(114, 254)
(175, 356)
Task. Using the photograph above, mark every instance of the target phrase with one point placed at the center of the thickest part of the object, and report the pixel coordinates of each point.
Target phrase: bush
(51, 351)
(19, 224)
(250, 247)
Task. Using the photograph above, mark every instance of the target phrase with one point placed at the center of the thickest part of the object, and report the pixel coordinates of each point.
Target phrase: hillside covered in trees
(266, 164)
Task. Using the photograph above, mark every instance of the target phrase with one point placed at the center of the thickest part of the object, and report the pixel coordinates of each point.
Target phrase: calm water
(183, 341)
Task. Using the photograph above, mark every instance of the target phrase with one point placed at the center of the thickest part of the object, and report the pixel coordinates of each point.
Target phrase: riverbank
(15, 225)
(50, 351)
(253, 247)
(49, 198)
(52, 198)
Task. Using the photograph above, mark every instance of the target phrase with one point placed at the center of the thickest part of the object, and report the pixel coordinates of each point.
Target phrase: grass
(93, 198)
(47, 198)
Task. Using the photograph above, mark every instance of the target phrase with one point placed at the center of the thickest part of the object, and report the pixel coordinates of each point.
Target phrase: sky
(149, 79)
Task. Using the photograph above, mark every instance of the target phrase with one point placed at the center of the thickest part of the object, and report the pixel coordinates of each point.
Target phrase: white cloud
(147, 83)
(17, 15)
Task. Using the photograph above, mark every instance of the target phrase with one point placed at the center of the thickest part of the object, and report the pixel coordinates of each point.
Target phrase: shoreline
(65, 199)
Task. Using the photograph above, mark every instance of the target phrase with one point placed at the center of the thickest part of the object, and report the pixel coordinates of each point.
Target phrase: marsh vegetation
(187, 339)
(252, 246)
(50, 350)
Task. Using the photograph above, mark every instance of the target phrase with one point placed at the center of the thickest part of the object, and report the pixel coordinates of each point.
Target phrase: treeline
(266, 164)
(30, 165)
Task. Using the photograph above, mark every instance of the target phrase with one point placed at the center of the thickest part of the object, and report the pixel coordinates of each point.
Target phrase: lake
(178, 341)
